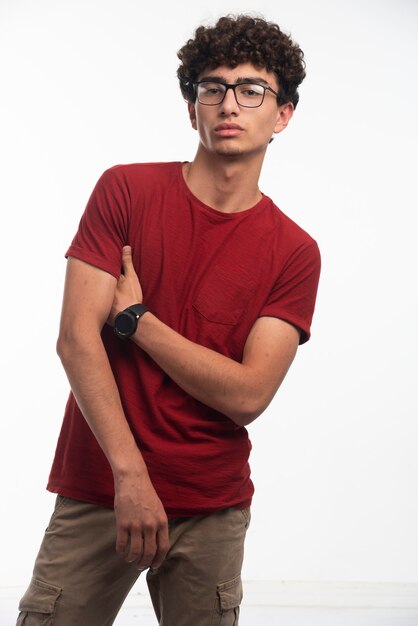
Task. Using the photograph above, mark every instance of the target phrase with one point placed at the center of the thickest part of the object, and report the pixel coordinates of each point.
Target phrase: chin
(229, 150)
(235, 151)
(230, 153)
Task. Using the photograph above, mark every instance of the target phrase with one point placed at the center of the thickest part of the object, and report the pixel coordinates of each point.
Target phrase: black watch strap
(138, 310)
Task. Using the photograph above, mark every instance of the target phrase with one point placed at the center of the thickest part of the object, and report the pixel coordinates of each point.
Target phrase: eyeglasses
(249, 95)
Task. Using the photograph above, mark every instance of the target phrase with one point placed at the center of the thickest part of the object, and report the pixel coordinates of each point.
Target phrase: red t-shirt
(208, 275)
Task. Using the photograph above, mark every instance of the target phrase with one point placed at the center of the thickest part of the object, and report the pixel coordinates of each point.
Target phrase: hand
(141, 522)
(128, 289)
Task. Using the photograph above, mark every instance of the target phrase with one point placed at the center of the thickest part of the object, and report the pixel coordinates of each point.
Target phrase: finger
(122, 540)
(136, 547)
(163, 544)
(149, 549)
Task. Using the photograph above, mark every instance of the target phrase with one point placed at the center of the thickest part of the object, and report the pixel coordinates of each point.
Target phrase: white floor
(283, 604)
(282, 616)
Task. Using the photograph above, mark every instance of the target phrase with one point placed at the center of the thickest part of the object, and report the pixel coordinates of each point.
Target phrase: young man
(169, 361)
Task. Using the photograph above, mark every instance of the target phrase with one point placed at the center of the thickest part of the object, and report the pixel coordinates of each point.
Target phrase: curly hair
(242, 39)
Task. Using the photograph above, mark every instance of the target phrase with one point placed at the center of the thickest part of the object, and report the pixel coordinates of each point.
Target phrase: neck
(226, 183)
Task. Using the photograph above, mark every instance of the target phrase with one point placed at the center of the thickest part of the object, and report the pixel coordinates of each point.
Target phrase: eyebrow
(240, 79)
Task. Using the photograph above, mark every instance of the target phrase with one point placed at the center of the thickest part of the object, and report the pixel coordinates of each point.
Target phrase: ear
(284, 115)
(192, 114)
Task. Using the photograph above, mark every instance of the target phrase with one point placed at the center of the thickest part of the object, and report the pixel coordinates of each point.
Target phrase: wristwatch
(126, 321)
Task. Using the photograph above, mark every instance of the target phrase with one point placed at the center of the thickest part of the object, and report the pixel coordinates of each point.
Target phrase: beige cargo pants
(79, 579)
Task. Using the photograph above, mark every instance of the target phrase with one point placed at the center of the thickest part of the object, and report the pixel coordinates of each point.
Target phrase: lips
(228, 130)
(226, 126)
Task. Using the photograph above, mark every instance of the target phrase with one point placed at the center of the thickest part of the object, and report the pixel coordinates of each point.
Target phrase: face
(231, 129)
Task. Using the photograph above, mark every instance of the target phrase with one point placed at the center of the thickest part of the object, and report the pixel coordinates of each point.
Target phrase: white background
(88, 84)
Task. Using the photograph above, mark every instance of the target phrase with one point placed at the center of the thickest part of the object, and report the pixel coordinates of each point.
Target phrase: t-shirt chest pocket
(224, 294)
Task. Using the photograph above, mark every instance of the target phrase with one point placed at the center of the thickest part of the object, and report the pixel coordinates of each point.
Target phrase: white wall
(334, 459)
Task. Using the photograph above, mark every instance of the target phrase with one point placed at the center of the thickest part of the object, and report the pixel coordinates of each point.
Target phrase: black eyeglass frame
(233, 86)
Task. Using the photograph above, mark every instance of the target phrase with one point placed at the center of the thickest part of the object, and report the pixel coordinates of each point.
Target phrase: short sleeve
(103, 228)
(293, 296)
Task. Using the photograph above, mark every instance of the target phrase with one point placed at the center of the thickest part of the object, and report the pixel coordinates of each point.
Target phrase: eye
(211, 89)
(251, 91)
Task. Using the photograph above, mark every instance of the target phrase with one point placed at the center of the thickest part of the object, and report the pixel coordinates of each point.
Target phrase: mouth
(228, 130)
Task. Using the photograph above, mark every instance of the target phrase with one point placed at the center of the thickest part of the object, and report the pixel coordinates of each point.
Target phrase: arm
(142, 529)
(239, 390)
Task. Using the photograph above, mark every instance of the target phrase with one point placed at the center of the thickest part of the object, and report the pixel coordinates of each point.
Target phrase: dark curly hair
(242, 39)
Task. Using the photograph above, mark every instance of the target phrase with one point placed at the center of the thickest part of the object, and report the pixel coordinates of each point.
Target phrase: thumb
(127, 260)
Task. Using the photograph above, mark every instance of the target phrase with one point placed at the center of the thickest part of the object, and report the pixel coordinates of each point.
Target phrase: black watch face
(125, 324)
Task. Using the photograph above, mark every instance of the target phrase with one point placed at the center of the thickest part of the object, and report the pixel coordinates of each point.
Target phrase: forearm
(226, 385)
(92, 382)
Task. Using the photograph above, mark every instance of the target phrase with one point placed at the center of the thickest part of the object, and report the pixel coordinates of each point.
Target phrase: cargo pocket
(37, 607)
(229, 600)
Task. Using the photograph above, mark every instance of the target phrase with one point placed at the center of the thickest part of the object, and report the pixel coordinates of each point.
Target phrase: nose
(229, 105)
